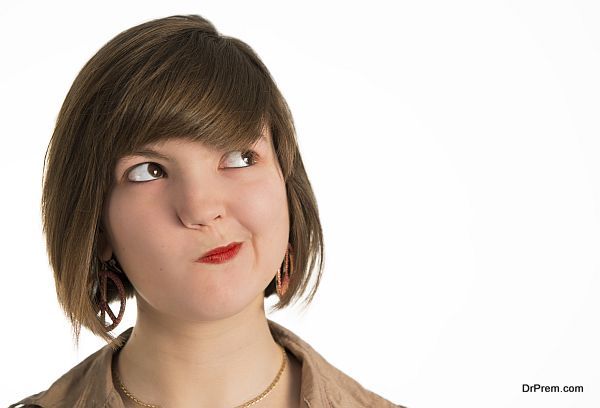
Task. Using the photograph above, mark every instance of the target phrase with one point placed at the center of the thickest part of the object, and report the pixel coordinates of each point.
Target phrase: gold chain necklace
(246, 404)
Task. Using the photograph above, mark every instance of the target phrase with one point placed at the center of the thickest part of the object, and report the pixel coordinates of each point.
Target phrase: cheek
(264, 213)
(129, 221)
(138, 234)
(264, 206)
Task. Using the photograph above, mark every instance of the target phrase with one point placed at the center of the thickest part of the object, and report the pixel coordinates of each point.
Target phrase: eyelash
(254, 156)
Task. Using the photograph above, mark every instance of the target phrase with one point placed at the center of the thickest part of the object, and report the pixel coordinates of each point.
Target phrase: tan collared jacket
(89, 384)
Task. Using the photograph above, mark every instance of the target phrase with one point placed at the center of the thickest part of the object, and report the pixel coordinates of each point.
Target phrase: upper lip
(220, 249)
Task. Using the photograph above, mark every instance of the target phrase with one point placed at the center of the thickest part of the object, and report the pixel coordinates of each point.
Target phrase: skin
(201, 337)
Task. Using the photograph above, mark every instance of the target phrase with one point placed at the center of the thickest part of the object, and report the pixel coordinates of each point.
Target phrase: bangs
(190, 85)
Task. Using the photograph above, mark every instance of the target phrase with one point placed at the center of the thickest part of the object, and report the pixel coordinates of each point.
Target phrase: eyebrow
(153, 154)
(147, 152)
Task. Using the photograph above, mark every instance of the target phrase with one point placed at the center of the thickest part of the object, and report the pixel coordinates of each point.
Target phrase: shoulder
(343, 390)
(87, 381)
(27, 402)
(323, 384)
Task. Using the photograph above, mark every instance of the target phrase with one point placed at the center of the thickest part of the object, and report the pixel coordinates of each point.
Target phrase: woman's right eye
(141, 170)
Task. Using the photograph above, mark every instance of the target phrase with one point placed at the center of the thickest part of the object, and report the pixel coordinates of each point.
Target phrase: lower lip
(221, 257)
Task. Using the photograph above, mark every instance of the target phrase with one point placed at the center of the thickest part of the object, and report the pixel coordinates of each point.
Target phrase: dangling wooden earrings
(103, 277)
(284, 281)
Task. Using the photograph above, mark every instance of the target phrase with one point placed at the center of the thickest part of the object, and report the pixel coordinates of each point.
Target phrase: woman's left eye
(249, 153)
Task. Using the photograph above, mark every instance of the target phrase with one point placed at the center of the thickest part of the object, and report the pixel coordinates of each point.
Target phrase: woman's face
(181, 208)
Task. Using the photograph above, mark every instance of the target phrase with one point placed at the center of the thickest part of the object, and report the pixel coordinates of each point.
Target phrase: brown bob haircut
(169, 77)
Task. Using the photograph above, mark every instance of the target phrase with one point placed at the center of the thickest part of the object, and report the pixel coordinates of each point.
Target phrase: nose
(195, 224)
(201, 202)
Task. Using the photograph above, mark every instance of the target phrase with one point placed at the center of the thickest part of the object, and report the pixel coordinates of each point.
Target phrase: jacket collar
(90, 382)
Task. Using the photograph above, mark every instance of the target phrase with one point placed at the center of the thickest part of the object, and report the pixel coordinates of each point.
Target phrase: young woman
(173, 175)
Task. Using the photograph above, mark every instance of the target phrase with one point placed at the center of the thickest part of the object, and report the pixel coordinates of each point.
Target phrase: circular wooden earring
(103, 277)
(284, 281)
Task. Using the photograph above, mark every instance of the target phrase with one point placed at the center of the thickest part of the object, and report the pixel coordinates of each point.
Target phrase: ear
(104, 247)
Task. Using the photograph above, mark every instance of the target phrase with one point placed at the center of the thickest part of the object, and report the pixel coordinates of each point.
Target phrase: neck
(225, 362)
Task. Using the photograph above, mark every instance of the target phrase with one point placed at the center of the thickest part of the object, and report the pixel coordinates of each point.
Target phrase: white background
(461, 220)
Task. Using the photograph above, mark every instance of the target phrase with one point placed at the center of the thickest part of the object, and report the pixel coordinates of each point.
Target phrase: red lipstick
(221, 254)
